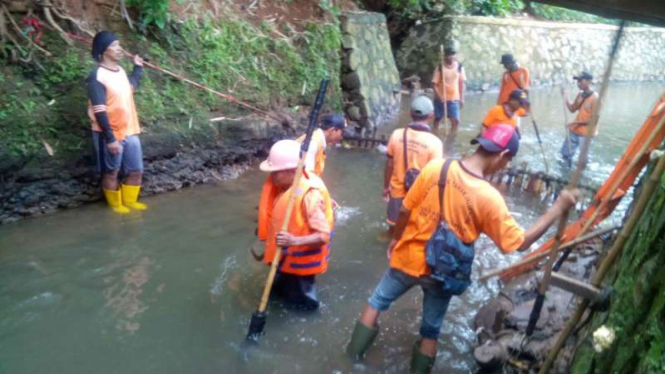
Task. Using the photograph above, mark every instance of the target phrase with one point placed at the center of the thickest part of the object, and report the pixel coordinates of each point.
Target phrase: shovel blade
(256, 326)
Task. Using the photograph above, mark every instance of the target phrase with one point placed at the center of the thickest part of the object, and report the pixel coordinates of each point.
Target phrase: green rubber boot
(361, 339)
(420, 363)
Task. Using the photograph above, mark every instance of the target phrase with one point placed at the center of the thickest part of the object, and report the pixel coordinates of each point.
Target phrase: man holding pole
(584, 104)
(454, 198)
(115, 124)
(448, 81)
(304, 244)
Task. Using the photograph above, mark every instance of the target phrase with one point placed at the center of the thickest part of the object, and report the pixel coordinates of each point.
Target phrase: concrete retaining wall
(370, 79)
(552, 51)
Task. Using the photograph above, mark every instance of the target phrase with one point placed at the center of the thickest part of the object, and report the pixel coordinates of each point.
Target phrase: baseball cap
(583, 75)
(520, 95)
(333, 120)
(498, 138)
(449, 51)
(507, 58)
(422, 106)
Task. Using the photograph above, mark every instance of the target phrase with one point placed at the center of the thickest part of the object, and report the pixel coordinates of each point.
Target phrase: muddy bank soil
(38, 187)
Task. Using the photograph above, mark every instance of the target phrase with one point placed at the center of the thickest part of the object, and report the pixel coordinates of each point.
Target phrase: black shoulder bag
(449, 259)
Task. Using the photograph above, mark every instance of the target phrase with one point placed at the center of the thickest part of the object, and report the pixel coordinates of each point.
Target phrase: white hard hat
(284, 155)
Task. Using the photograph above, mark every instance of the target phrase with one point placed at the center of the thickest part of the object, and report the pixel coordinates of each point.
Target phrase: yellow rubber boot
(130, 196)
(114, 199)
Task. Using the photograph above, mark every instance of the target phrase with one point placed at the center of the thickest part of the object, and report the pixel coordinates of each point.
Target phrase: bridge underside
(645, 11)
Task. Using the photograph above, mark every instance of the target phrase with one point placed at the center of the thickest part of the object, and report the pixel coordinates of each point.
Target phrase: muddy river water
(171, 290)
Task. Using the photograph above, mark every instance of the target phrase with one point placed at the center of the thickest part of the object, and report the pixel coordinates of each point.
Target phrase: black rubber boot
(420, 363)
(361, 339)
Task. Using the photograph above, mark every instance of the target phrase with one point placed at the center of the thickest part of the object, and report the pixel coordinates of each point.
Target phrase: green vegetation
(152, 11)
(554, 13)
(262, 64)
(638, 304)
(430, 9)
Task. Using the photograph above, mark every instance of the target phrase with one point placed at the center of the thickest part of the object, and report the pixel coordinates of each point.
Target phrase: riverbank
(171, 162)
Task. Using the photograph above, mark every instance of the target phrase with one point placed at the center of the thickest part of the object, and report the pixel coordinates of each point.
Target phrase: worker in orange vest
(331, 132)
(507, 112)
(446, 210)
(584, 104)
(449, 90)
(305, 244)
(514, 78)
(409, 150)
(115, 124)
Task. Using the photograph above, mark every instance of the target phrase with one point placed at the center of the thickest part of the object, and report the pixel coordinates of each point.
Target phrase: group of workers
(437, 208)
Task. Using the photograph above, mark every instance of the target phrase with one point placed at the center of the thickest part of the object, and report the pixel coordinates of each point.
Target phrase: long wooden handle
(565, 126)
(443, 86)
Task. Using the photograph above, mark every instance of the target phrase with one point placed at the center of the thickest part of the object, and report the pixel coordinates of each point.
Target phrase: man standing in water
(468, 206)
(409, 150)
(330, 132)
(584, 104)
(507, 112)
(115, 124)
(514, 78)
(304, 244)
(448, 90)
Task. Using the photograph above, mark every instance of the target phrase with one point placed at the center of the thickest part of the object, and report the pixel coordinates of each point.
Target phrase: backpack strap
(514, 80)
(406, 156)
(443, 177)
(459, 67)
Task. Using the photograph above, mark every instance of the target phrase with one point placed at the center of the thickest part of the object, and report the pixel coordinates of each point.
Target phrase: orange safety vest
(320, 161)
(584, 114)
(301, 260)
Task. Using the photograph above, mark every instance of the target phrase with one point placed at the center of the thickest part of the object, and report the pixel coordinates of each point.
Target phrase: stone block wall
(552, 51)
(370, 79)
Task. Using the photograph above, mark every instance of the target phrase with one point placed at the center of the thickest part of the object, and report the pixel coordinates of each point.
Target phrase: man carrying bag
(445, 211)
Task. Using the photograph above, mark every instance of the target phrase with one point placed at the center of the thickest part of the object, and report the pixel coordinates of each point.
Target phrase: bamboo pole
(574, 180)
(612, 255)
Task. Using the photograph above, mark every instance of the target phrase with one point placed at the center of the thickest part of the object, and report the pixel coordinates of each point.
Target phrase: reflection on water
(171, 290)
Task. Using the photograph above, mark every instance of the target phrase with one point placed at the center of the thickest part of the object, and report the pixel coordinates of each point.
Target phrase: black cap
(520, 95)
(100, 42)
(583, 75)
(507, 59)
(450, 50)
(333, 120)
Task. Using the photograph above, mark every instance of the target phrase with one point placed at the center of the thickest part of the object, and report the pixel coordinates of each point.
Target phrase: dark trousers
(297, 291)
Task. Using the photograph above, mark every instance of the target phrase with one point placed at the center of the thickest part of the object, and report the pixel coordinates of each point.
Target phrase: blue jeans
(575, 141)
(130, 158)
(395, 283)
(452, 107)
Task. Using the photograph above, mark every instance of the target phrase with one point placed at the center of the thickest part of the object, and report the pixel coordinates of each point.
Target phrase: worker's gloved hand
(567, 199)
